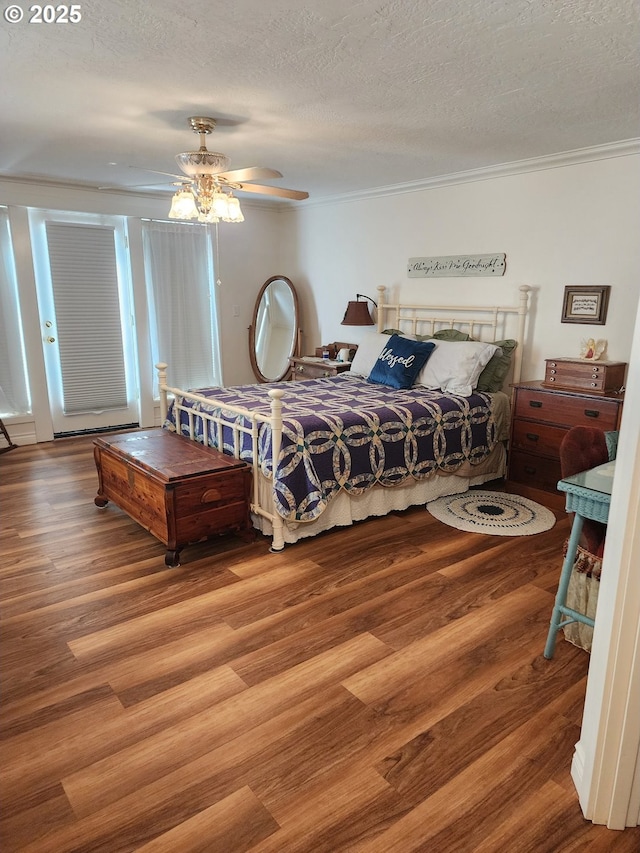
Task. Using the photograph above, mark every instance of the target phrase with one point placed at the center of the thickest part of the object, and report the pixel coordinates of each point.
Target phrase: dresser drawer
(567, 410)
(537, 472)
(537, 438)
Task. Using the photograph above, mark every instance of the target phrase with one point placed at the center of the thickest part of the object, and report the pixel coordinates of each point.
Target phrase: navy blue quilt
(343, 432)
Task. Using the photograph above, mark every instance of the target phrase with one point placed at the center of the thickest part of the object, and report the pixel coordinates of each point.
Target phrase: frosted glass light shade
(196, 163)
(219, 206)
(234, 213)
(183, 205)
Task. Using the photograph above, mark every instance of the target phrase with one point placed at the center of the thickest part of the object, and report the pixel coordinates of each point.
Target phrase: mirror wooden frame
(295, 343)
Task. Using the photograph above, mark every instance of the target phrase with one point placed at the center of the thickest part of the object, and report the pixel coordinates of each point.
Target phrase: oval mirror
(274, 334)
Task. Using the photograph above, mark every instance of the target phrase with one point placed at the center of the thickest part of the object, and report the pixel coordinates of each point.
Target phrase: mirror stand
(274, 334)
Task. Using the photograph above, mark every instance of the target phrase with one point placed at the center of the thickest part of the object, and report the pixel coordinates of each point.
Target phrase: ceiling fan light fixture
(207, 191)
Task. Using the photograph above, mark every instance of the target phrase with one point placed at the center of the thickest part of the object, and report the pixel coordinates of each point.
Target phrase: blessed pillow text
(391, 359)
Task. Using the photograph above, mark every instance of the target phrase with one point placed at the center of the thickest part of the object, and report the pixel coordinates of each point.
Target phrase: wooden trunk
(177, 489)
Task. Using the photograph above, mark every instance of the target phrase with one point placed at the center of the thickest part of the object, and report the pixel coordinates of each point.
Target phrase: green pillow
(408, 335)
(493, 375)
(446, 335)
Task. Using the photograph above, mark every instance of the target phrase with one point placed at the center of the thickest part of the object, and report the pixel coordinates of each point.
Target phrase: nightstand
(540, 419)
(310, 367)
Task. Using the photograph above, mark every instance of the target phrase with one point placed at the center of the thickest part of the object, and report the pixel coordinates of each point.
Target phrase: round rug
(496, 513)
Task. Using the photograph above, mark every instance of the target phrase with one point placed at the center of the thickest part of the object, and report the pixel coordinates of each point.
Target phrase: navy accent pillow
(400, 362)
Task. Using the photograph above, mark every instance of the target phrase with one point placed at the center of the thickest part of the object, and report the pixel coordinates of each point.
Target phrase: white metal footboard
(226, 418)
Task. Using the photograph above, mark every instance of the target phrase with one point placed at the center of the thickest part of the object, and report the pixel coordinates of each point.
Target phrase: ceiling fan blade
(298, 195)
(138, 186)
(182, 178)
(253, 173)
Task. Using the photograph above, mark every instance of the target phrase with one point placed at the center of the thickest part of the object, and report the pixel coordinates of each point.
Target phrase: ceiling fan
(206, 193)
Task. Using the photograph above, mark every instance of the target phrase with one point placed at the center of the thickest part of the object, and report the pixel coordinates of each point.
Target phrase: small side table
(308, 367)
(588, 496)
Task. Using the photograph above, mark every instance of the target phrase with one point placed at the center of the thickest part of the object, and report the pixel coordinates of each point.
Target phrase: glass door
(84, 301)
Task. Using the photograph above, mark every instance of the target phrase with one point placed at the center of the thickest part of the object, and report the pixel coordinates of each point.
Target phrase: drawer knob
(535, 404)
(552, 371)
(592, 413)
(553, 364)
(529, 469)
(300, 368)
(552, 379)
(532, 436)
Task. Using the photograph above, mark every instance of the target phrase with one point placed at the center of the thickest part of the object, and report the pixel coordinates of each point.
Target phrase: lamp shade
(357, 314)
(183, 205)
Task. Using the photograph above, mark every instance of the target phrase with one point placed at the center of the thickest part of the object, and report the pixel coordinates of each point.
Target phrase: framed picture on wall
(585, 305)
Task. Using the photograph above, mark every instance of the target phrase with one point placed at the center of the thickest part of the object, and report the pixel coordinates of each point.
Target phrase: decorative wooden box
(578, 374)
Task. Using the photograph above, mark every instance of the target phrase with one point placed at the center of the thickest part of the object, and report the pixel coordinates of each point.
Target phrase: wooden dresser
(540, 418)
(177, 489)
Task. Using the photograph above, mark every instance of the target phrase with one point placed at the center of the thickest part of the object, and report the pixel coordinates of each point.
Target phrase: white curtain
(180, 286)
(14, 390)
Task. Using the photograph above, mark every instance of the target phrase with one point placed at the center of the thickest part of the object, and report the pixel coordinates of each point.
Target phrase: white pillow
(455, 366)
(368, 351)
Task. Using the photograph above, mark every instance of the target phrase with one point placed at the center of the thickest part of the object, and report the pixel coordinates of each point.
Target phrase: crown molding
(37, 192)
(608, 151)
(34, 192)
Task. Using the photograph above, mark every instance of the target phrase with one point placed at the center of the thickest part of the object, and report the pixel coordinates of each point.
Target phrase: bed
(349, 447)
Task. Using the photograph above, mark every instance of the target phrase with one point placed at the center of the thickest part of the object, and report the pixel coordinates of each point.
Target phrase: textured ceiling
(339, 96)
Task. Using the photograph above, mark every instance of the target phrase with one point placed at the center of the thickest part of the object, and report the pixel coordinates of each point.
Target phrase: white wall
(575, 224)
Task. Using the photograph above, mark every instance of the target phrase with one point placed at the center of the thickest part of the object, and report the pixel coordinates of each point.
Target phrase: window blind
(84, 279)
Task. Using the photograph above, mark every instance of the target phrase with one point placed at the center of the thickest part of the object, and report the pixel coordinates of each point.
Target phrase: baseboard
(552, 500)
(577, 775)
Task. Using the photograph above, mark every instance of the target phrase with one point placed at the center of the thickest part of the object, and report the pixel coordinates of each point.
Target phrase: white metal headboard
(485, 323)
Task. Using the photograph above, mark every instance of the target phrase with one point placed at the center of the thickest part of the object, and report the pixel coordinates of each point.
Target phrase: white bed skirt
(346, 508)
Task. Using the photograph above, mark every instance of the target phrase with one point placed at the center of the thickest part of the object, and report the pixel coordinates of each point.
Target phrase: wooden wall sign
(457, 265)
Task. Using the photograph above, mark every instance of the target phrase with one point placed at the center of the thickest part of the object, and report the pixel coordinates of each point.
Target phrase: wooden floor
(380, 688)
